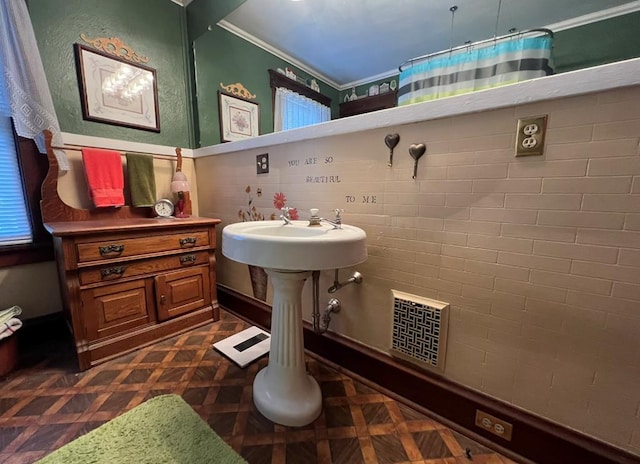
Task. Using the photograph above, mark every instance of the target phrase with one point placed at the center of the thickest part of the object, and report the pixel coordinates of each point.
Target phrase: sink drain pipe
(321, 323)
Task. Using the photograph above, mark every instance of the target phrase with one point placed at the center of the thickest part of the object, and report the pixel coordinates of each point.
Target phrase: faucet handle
(285, 211)
(338, 211)
(314, 212)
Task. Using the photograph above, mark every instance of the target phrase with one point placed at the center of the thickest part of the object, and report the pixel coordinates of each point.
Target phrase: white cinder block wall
(539, 257)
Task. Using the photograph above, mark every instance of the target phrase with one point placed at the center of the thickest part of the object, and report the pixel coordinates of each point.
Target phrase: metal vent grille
(419, 330)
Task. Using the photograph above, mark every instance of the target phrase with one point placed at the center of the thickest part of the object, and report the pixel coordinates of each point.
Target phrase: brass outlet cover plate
(530, 136)
(496, 426)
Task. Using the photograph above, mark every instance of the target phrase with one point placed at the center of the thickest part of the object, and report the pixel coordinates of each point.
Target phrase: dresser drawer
(116, 248)
(119, 271)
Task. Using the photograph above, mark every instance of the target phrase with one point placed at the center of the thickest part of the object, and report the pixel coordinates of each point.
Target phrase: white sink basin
(294, 247)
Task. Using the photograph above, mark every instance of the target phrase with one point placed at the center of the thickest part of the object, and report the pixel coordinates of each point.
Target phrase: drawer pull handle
(106, 250)
(187, 242)
(118, 271)
(187, 259)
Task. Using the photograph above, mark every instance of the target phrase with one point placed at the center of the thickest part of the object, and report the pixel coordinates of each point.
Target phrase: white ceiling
(346, 42)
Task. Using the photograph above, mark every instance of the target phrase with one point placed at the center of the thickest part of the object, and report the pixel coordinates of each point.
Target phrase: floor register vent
(419, 330)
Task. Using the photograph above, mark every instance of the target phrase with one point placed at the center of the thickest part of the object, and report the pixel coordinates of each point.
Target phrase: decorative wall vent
(419, 330)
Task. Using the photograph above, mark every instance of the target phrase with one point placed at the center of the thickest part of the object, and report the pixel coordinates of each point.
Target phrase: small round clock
(163, 208)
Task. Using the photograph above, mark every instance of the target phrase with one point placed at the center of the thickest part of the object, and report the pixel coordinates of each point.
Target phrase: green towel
(142, 180)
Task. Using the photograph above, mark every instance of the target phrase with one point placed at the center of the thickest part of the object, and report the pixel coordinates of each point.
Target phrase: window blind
(15, 224)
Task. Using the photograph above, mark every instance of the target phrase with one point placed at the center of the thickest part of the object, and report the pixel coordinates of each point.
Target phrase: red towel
(103, 169)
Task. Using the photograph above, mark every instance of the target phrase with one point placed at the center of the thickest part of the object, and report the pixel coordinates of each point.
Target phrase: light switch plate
(530, 136)
(262, 163)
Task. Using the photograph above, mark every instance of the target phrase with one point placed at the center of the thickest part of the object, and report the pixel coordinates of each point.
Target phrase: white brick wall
(539, 257)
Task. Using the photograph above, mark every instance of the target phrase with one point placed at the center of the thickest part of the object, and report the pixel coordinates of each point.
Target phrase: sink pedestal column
(282, 391)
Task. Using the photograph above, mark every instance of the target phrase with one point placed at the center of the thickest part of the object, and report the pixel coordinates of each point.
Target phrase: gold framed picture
(239, 118)
(115, 91)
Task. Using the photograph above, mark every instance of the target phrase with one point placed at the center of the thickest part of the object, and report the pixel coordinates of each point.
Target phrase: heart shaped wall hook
(391, 140)
(416, 150)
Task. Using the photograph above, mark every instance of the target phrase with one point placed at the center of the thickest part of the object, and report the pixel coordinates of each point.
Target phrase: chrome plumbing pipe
(356, 278)
(333, 306)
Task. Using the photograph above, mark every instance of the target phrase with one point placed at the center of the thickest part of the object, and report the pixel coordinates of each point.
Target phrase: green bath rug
(162, 430)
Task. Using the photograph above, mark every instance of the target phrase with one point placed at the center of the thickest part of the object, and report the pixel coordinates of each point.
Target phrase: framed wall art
(239, 118)
(115, 91)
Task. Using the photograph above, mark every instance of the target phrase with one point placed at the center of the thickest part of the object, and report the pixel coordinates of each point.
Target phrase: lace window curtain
(292, 110)
(23, 84)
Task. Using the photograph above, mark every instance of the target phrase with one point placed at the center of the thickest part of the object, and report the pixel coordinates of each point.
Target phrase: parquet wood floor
(46, 403)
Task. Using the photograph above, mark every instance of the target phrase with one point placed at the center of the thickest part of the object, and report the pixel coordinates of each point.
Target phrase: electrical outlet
(262, 164)
(494, 425)
(530, 136)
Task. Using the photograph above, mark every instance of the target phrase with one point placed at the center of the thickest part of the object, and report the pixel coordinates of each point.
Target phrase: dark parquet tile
(154, 357)
(44, 438)
(34, 381)
(137, 376)
(117, 401)
(37, 406)
(431, 444)
(223, 423)
(376, 413)
(228, 395)
(338, 416)
(104, 377)
(8, 434)
(65, 381)
(302, 453)
(346, 450)
(6, 404)
(257, 454)
(332, 388)
(66, 404)
(196, 340)
(78, 403)
(257, 424)
(195, 396)
(183, 356)
(388, 449)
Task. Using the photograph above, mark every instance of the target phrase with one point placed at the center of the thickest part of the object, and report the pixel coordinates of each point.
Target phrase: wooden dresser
(128, 280)
(127, 283)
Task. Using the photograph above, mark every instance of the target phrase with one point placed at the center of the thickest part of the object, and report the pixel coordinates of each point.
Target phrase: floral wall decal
(251, 213)
(280, 201)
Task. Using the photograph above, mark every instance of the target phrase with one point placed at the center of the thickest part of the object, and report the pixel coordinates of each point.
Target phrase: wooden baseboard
(534, 438)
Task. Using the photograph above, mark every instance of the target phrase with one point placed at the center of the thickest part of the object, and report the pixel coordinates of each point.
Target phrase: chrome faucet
(285, 216)
(337, 221)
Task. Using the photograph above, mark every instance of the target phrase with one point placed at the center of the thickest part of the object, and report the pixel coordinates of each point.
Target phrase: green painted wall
(153, 28)
(364, 88)
(222, 57)
(170, 35)
(598, 43)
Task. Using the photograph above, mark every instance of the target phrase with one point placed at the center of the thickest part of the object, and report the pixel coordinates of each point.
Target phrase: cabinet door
(116, 308)
(182, 291)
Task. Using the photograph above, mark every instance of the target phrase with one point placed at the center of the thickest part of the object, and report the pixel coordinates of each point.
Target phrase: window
(22, 169)
(292, 110)
(32, 168)
(296, 105)
(15, 224)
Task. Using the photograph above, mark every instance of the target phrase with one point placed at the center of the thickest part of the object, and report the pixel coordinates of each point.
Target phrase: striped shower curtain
(466, 69)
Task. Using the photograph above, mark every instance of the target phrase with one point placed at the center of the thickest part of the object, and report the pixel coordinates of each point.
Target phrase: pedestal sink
(282, 391)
